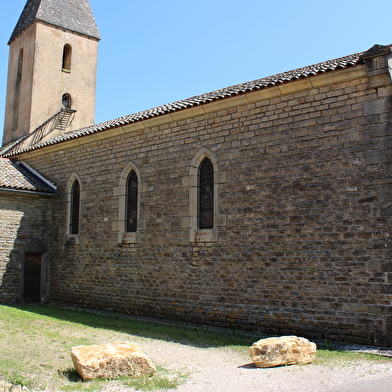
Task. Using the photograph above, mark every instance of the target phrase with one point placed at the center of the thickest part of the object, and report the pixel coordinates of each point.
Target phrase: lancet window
(75, 208)
(206, 195)
(131, 202)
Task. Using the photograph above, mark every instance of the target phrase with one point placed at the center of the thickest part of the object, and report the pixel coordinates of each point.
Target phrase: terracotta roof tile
(17, 176)
(285, 77)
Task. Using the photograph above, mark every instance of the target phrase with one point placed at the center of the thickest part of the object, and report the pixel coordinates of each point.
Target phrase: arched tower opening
(66, 101)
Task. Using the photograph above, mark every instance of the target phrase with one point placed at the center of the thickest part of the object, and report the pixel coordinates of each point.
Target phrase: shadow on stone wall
(31, 238)
(10, 282)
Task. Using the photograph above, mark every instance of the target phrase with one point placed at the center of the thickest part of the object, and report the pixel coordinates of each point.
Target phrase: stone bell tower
(51, 70)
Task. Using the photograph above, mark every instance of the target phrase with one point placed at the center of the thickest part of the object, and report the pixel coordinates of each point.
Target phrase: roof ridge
(197, 100)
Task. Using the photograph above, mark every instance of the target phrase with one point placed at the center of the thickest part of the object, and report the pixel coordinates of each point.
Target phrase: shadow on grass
(71, 375)
(188, 334)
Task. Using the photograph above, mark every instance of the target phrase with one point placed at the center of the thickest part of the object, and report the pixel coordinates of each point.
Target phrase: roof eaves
(220, 94)
(25, 191)
(8, 147)
(17, 176)
(51, 187)
(94, 35)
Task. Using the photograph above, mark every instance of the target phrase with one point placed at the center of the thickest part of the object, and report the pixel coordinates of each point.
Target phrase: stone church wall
(23, 219)
(302, 240)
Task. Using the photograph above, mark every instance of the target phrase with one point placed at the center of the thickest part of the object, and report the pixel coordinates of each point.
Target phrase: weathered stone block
(111, 361)
(285, 350)
(318, 173)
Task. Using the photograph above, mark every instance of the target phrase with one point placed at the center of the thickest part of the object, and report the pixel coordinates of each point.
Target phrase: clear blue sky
(158, 51)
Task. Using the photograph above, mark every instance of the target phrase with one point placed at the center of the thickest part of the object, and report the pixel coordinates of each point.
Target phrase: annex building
(264, 206)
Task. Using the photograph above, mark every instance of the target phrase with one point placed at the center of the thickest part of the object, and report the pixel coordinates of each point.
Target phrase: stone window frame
(69, 237)
(120, 191)
(192, 183)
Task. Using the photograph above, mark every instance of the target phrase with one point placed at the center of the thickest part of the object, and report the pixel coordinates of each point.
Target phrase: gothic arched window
(206, 195)
(67, 55)
(131, 200)
(75, 208)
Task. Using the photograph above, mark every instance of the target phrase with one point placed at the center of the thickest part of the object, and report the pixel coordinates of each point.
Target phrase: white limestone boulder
(284, 350)
(111, 361)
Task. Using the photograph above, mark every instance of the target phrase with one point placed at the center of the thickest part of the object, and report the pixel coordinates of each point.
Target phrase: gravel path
(216, 370)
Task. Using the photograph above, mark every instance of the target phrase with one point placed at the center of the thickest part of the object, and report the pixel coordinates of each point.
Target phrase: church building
(263, 206)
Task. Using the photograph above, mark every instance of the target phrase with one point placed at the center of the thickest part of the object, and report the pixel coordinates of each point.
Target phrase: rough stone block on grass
(111, 361)
(284, 350)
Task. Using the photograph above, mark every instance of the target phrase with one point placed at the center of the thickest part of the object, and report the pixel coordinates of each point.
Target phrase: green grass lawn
(35, 343)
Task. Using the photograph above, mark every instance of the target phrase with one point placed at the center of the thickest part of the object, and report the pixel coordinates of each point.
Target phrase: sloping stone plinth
(285, 350)
(111, 361)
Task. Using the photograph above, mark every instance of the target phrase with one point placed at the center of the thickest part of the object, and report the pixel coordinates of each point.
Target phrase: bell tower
(51, 69)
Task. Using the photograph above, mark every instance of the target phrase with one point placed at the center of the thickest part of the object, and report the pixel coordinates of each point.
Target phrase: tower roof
(74, 15)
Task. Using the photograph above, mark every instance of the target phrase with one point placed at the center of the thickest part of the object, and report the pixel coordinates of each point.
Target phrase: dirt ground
(217, 369)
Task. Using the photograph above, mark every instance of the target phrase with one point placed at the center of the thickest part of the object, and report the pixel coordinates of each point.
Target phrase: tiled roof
(17, 176)
(259, 84)
(74, 15)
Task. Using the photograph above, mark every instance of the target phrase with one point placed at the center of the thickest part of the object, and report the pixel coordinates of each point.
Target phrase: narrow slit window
(131, 207)
(67, 55)
(206, 195)
(75, 208)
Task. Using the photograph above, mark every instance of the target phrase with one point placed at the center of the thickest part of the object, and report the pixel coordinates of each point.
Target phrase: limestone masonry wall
(22, 219)
(304, 217)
